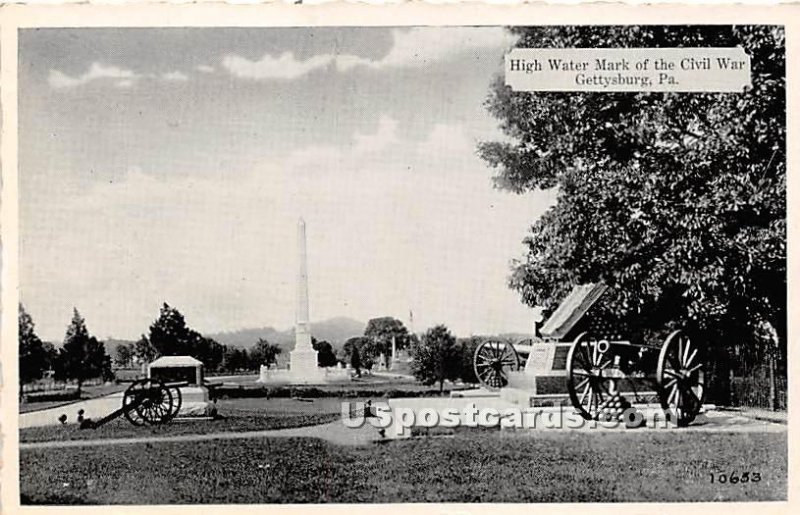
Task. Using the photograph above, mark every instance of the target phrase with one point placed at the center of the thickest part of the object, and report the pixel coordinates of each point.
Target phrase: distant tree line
(436, 357)
(80, 358)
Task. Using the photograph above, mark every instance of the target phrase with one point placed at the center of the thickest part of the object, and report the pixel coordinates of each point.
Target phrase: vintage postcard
(451, 255)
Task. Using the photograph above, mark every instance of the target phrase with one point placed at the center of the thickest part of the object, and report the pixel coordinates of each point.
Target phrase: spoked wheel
(177, 401)
(492, 362)
(148, 401)
(587, 386)
(681, 379)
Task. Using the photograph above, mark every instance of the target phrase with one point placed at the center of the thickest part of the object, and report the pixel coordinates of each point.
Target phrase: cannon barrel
(523, 348)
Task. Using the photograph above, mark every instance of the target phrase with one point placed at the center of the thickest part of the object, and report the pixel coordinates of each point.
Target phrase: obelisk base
(303, 366)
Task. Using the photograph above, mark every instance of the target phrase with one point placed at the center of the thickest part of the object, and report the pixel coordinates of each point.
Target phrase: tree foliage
(381, 331)
(367, 350)
(467, 347)
(82, 356)
(235, 359)
(436, 357)
(125, 354)
(355, 360)
(264, 353)
(144, 350)
(326, 357)
(34, 356)
(170, 336)
(675, 200)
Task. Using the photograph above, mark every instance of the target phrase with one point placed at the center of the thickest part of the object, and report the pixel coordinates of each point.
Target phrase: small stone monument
(195, 399)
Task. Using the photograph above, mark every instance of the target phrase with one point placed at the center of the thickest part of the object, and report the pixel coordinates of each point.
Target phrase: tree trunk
(441, 385)
(80, 384)
(733, 399)
(773, 391)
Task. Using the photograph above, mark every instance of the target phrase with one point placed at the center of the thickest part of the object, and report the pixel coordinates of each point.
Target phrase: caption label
(628, 69)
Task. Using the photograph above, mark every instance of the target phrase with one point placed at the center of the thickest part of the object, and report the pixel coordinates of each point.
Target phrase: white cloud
(412, 47)
(174, 76)
(284, 66)
(394, 224)
(205, 68)
(421, 46)
(96, 71)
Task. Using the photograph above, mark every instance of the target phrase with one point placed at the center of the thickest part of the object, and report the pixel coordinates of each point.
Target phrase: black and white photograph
(399, 263)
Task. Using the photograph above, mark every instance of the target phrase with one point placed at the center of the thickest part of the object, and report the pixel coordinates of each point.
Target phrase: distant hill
(335, 330)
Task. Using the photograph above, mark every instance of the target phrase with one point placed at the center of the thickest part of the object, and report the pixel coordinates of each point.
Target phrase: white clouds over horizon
(393, 225)
(188, 192)
(413, 47)
(96, 71)
(119, 77)
(174, 76)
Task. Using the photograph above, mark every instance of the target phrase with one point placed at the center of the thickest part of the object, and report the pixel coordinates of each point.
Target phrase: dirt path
(92, 408)
(335, 432)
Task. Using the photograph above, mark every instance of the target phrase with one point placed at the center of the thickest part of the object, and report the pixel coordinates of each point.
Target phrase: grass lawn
(238, 415)
(470, 467)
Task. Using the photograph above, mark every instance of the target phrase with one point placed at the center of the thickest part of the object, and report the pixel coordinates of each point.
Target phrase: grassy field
(470, 467)
(237, 415)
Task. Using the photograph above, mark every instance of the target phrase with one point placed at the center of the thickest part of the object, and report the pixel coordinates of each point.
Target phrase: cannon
(494, 359)
(146, 401)
(599, 369)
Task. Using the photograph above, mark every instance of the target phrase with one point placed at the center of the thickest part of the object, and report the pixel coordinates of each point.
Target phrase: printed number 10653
(734, 478)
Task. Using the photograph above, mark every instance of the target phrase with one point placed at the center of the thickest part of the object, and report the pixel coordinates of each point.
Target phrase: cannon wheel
(681, 379)
(492, 362)
(177, 401)
(585, 382)
(150, 402)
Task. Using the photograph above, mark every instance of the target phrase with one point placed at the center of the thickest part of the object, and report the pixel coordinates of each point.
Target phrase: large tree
(82, 356)
(235, 359)
(675, 200)
(367, 351)
(326, 357)
(467, 347)
(144, 350)
(381, 331)
(125, 354)
(355, 359)
(436, 357)
(34, 356)
(171, 336)
(264, 353)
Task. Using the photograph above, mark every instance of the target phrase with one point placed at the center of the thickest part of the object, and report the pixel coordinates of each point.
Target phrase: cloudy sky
(172, 165)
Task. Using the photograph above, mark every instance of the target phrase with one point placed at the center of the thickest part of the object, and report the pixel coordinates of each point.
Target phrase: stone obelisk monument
(303, 359)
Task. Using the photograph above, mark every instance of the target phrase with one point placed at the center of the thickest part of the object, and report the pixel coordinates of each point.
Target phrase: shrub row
(61, 395)
(241, 392)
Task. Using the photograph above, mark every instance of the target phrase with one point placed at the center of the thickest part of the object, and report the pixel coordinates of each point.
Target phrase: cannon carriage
(145, 402)
(600, 368)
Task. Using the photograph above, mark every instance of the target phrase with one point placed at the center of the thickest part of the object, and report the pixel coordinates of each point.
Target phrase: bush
(61, 395)
(311, 392)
